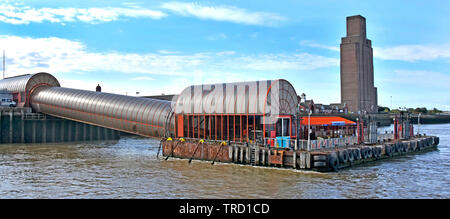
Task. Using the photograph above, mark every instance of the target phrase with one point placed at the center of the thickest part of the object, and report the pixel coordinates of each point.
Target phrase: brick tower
(357, 86)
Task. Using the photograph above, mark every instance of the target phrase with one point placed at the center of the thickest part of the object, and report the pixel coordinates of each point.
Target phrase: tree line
(417, 110)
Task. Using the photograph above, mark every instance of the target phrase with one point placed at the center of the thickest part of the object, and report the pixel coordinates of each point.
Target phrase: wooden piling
(241, 155)
(303, 160)
(247, 155)
(263, 157)
(257, 155)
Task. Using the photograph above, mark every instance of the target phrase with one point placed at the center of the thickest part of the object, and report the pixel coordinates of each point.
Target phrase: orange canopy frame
(327, 121)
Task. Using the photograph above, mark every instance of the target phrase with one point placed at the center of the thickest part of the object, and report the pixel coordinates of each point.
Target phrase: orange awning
(327, 120)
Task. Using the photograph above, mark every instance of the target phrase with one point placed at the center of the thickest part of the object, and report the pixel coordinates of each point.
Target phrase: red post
(411, 127)
(358, 132)
(362, 130)
(246, 128)
(228, 127)
(395, 129)
(254, 128)
(215, 126)
(240, 128)
(234, 128)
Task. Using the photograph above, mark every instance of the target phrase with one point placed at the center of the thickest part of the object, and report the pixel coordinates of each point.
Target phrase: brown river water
(128, 168)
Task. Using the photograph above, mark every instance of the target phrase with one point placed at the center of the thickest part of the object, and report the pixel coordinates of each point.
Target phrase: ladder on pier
(253, 155)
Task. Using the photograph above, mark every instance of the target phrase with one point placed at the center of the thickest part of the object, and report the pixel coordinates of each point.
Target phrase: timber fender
(322, 160)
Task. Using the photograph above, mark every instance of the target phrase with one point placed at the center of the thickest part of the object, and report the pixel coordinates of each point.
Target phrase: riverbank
(386, 119)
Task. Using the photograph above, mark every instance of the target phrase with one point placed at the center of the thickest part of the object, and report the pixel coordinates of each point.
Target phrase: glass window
(279, 127)
(285, 127)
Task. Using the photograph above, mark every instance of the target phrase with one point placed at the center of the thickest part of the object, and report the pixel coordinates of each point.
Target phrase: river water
(128, 168)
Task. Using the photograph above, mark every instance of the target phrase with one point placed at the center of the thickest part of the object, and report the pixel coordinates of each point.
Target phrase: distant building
(357, 84)
(307, 106)
(170, 97)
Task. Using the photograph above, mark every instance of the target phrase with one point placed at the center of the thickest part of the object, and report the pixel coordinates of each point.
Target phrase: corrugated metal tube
(142, 116)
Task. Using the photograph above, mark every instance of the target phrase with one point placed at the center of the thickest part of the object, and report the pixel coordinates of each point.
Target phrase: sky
(156, 47)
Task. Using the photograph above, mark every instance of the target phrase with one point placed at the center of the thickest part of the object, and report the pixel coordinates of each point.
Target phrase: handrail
(221, 145)
(173, 148)
(195, 151)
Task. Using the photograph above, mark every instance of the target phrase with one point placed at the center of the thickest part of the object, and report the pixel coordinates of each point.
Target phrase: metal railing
(330, 143)
(317, 144)
(385, 137)
(34, 116)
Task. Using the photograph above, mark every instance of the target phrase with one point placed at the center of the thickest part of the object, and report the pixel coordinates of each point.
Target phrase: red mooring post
(362, 131)
(358, 132)
(411, 130)
(395, 129)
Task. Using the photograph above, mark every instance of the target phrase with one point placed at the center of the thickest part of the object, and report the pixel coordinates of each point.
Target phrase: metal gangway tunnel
(206, 104)
(141, 116)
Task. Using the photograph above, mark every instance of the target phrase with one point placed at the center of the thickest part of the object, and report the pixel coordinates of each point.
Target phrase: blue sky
(155, 47)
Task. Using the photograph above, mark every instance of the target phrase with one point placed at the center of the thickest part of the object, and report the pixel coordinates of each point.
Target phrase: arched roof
(25, 83)
(267, 97)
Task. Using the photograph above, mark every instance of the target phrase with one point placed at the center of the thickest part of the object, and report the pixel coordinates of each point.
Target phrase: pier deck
(324, 160)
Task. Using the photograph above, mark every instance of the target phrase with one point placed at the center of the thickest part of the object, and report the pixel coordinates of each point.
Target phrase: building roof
(25, 83)
(269, 97)
(327, 120)
(28, 83)
(170, 97)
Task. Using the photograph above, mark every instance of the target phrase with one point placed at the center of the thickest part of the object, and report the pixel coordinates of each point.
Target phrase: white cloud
(277, 62)
(219, 36)
(143, 78)
(25, 15)
(413, 53)
(57, 55)
(25, 54)
(415, 78)
(224, 13)
(317, 45)
(226, 53)
(409, 53)
(168, 52)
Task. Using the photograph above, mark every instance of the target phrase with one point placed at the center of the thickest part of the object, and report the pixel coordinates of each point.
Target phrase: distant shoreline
(432, 119)
(386, 119)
